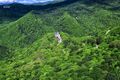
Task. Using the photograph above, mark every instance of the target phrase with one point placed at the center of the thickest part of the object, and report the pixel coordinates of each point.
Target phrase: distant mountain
(37, 6)
(29, 2)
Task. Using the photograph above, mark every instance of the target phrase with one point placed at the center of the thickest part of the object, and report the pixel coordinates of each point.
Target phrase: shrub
(4, 52)
(115, 44)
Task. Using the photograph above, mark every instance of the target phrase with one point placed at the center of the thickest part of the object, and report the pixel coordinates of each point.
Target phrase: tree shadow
(5, 53)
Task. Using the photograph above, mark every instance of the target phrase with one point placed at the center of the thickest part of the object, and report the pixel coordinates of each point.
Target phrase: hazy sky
(25, 1)
(6, 0)
(32, 1)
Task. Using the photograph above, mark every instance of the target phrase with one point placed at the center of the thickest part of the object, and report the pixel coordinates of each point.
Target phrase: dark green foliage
(115, 31)
(98, 40)
(90, 40)
(115, 44)
(4, 52)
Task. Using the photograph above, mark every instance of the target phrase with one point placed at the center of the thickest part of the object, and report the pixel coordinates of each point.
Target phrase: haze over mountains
(28, 2)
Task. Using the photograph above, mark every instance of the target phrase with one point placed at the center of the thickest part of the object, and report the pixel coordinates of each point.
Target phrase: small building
(58, 37)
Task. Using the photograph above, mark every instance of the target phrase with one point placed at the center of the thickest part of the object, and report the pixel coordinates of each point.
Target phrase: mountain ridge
(89, 50)
(29, 2)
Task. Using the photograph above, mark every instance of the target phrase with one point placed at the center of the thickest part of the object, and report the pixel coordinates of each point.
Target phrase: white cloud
(26, 1)
(33, 1)
(7, 1)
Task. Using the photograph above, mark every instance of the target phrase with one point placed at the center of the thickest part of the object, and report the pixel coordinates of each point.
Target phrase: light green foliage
(29, 49)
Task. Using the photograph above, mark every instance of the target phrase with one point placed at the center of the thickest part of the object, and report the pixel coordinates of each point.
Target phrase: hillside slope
(77, 58)
(32, 26)
(90, 49)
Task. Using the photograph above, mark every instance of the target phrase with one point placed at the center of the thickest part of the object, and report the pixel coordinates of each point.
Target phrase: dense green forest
(90, 49)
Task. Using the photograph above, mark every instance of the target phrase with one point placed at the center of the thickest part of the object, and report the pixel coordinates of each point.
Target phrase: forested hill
(21, 8)
(16, 10)
(15, 6)
(90, 48)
